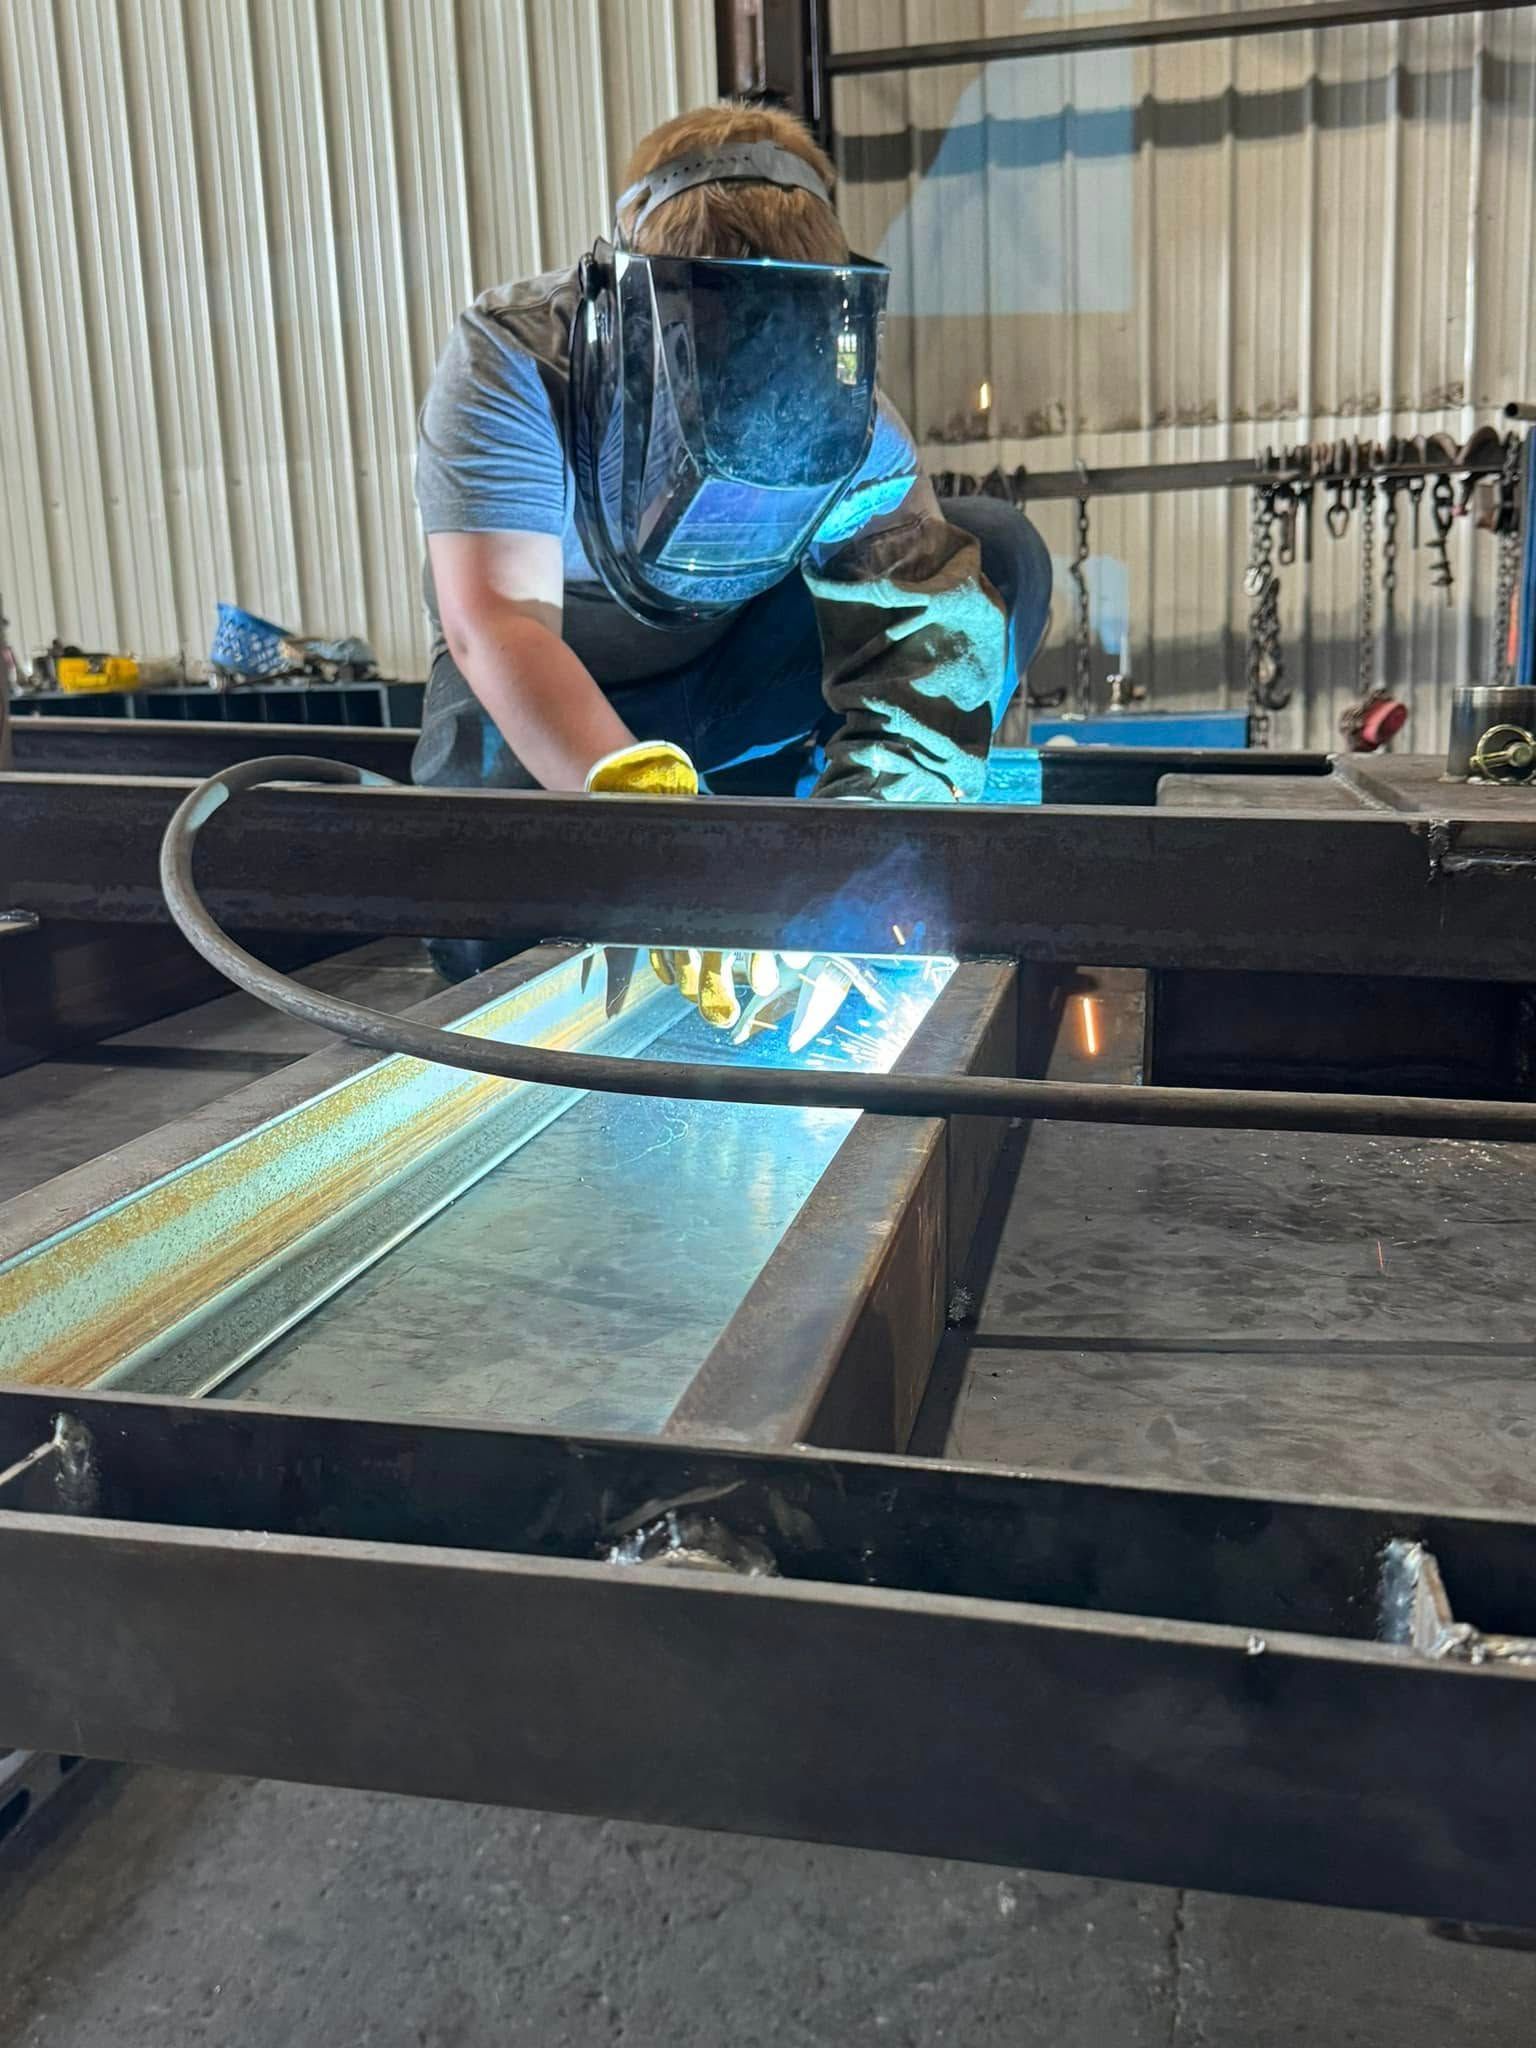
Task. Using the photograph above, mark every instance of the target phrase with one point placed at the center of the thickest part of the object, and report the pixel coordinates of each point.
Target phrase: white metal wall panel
(500, 140)
(375, 317)
(233, 237)
(230, 139)
(42, 336)
(195, 545)
(28, 512)
(323, 577)
(114, 324)
(1191, 252)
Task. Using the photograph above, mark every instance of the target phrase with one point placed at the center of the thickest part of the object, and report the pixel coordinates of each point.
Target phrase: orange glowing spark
(1090, 1026)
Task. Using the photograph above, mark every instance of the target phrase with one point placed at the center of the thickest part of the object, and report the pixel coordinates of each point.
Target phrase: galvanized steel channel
(172, 1275)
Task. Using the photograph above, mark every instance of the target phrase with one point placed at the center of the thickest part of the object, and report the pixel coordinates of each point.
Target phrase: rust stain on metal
(149, 1226)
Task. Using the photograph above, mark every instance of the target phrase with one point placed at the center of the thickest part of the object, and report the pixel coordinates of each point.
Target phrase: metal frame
(73, 983)
(1427, 894)
(379, 702)
(183, 747)
(197, 747)
(28, 1780)
(1192, 1687)
(73, 978)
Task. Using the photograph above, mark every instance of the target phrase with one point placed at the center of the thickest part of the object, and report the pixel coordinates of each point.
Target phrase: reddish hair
(737, 219)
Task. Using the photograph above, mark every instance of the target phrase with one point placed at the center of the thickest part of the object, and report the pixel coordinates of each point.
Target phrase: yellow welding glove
(808, 989)
(804, 990)
(647, 768)
(658, 768)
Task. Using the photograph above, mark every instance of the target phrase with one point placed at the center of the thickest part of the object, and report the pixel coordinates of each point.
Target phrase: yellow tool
(76, 673)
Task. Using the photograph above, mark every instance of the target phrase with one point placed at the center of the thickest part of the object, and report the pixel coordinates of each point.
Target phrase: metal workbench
(1198, 1384)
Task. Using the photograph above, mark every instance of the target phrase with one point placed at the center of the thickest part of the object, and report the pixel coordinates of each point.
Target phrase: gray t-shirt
(491, 458)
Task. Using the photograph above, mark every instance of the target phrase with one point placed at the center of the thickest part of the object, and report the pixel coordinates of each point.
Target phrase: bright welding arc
(894, 1094)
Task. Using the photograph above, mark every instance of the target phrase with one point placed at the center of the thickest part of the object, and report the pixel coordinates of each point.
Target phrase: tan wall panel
(1189, 252)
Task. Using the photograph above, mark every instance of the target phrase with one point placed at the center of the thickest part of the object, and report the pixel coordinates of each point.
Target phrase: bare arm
(500, 597)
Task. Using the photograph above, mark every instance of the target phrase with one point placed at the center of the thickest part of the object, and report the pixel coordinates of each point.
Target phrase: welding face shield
(719, 409)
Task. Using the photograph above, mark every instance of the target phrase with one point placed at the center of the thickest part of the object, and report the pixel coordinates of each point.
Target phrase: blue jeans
(750, 711)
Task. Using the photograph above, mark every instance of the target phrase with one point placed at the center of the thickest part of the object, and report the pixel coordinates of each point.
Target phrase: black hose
(1399, 1116)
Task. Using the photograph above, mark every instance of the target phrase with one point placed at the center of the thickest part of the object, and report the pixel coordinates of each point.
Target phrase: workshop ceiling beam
(1079, 38)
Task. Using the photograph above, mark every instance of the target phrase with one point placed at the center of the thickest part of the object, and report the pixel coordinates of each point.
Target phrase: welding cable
(896, 1094)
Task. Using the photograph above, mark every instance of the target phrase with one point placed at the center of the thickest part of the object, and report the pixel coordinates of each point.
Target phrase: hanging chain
(1266, 669)
(1084, 665)
(1507, 528)
(1367, 652)
(1256, 582)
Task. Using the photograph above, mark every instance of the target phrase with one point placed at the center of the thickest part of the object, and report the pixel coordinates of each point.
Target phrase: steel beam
(1145, 479)
(1170, 1686)
(70, 983)
(1077, 37)
(1132, 775)
(195, 748)
(181, 747)
(1373, 893)
(1462, 1039)
(836, 1338)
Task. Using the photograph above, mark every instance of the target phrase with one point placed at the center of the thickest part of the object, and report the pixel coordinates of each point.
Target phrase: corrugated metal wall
(1189, 252)
(233, 235)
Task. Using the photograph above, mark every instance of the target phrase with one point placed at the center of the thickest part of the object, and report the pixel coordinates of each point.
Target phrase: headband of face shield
(719, 406)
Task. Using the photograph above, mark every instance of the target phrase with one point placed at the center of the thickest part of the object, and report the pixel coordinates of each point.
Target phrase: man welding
(620, 469)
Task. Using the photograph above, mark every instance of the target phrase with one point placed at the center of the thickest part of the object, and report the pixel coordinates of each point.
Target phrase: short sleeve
(489, 457)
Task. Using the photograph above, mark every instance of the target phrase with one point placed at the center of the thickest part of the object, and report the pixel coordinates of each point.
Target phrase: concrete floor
(150, 1910)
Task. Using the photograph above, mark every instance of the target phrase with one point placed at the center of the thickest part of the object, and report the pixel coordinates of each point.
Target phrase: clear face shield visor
(719, 409)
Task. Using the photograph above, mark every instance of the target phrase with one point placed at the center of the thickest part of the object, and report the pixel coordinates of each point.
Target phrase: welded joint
(1416, 1613)
(71, 1453)
(694, 1543)
(77, 1482)
(1445, 861)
